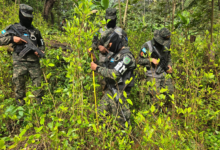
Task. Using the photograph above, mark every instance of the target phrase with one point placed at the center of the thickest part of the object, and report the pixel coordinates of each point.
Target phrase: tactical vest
(31, 33)
(151, 70)
(112, 62)
(119, 31)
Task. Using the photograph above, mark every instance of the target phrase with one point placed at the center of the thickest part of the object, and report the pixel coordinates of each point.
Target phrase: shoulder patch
(144, 50)
(126, 60)
(3, 31)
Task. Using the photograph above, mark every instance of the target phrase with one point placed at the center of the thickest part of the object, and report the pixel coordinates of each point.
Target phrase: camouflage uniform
(162, 37)
(110, 14)
(30, 62)
(122, 65)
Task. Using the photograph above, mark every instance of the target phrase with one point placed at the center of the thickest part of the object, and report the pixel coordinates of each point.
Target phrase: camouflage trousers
(159, 84)
(108, 106)
(20, 70)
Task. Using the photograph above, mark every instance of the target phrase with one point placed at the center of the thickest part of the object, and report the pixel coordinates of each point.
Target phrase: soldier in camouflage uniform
(30, 62)
(110, 14)
(121, 63)
(161, 41)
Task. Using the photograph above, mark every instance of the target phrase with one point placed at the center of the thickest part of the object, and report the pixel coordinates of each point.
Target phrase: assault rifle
(28, 46)
(163, 64)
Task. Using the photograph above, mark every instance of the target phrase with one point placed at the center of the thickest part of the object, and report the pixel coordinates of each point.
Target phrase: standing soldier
(112, 17)
(118, 67)
(30, 62)
(151, 51)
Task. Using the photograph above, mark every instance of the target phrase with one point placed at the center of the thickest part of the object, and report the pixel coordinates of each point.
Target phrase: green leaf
(163, 90)
(38, 129)
(22, 132)
(129, 102)
(50, 125)
(125, 94)
(189, 109)
(120, 100)
(152, 109)
(113, 74)
(2, 144)
(42, 121)
(115, 95)
(126, 124)
(94, 128)
(48, 76)
(109, 96)
(51, 65)
(105, 3)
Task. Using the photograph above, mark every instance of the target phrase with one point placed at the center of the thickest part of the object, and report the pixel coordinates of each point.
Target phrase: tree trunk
(119, 5)
(218, 4)
(47, 8)
(212, 53)
(182, 4)
(174, 7)
(125, 14)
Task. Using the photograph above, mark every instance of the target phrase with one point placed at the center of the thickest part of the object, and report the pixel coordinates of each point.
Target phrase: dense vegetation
(67, 117)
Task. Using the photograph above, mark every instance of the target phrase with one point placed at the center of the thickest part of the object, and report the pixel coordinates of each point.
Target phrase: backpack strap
(149, 43)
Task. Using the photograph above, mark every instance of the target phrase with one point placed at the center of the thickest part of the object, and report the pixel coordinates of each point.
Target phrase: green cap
(163, 37)
(26, 10)
(110, 13)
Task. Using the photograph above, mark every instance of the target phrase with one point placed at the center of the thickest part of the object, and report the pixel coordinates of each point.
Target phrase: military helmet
(26, 10)
(162, 37)
(110, 13)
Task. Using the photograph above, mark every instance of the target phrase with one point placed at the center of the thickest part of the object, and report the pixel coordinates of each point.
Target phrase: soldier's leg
(19, 72)
(168, 84)
(154, 89)
(103, 107)
(35, 73)
(121, 111)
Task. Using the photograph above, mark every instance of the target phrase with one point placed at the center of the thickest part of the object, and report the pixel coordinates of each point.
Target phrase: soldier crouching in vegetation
(119, 65)
(151, 51)
(30, 62)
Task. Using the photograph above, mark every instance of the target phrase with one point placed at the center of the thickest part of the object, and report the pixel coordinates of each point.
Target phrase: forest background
(67, 117)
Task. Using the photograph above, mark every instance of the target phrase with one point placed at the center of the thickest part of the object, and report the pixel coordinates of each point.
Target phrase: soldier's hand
(102, 49)
(18, 40)
(36, 53)
(154, 61)
(170, 70)
(93, 66)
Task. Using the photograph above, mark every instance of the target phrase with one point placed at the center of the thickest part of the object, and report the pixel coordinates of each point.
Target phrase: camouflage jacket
(96, 38)
(121, 65)
(6, 38)
(144, 59)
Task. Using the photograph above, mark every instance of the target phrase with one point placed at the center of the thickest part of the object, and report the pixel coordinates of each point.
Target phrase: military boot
(20, 102)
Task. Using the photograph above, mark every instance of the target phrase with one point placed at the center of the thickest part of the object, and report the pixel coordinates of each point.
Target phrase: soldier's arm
(40, 42)
(95, 41)
(125, 37)
(5, 38)
(127, 63)
(143, 58)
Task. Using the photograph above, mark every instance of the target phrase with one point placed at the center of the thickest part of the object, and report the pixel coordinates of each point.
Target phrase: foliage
(67, 119)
